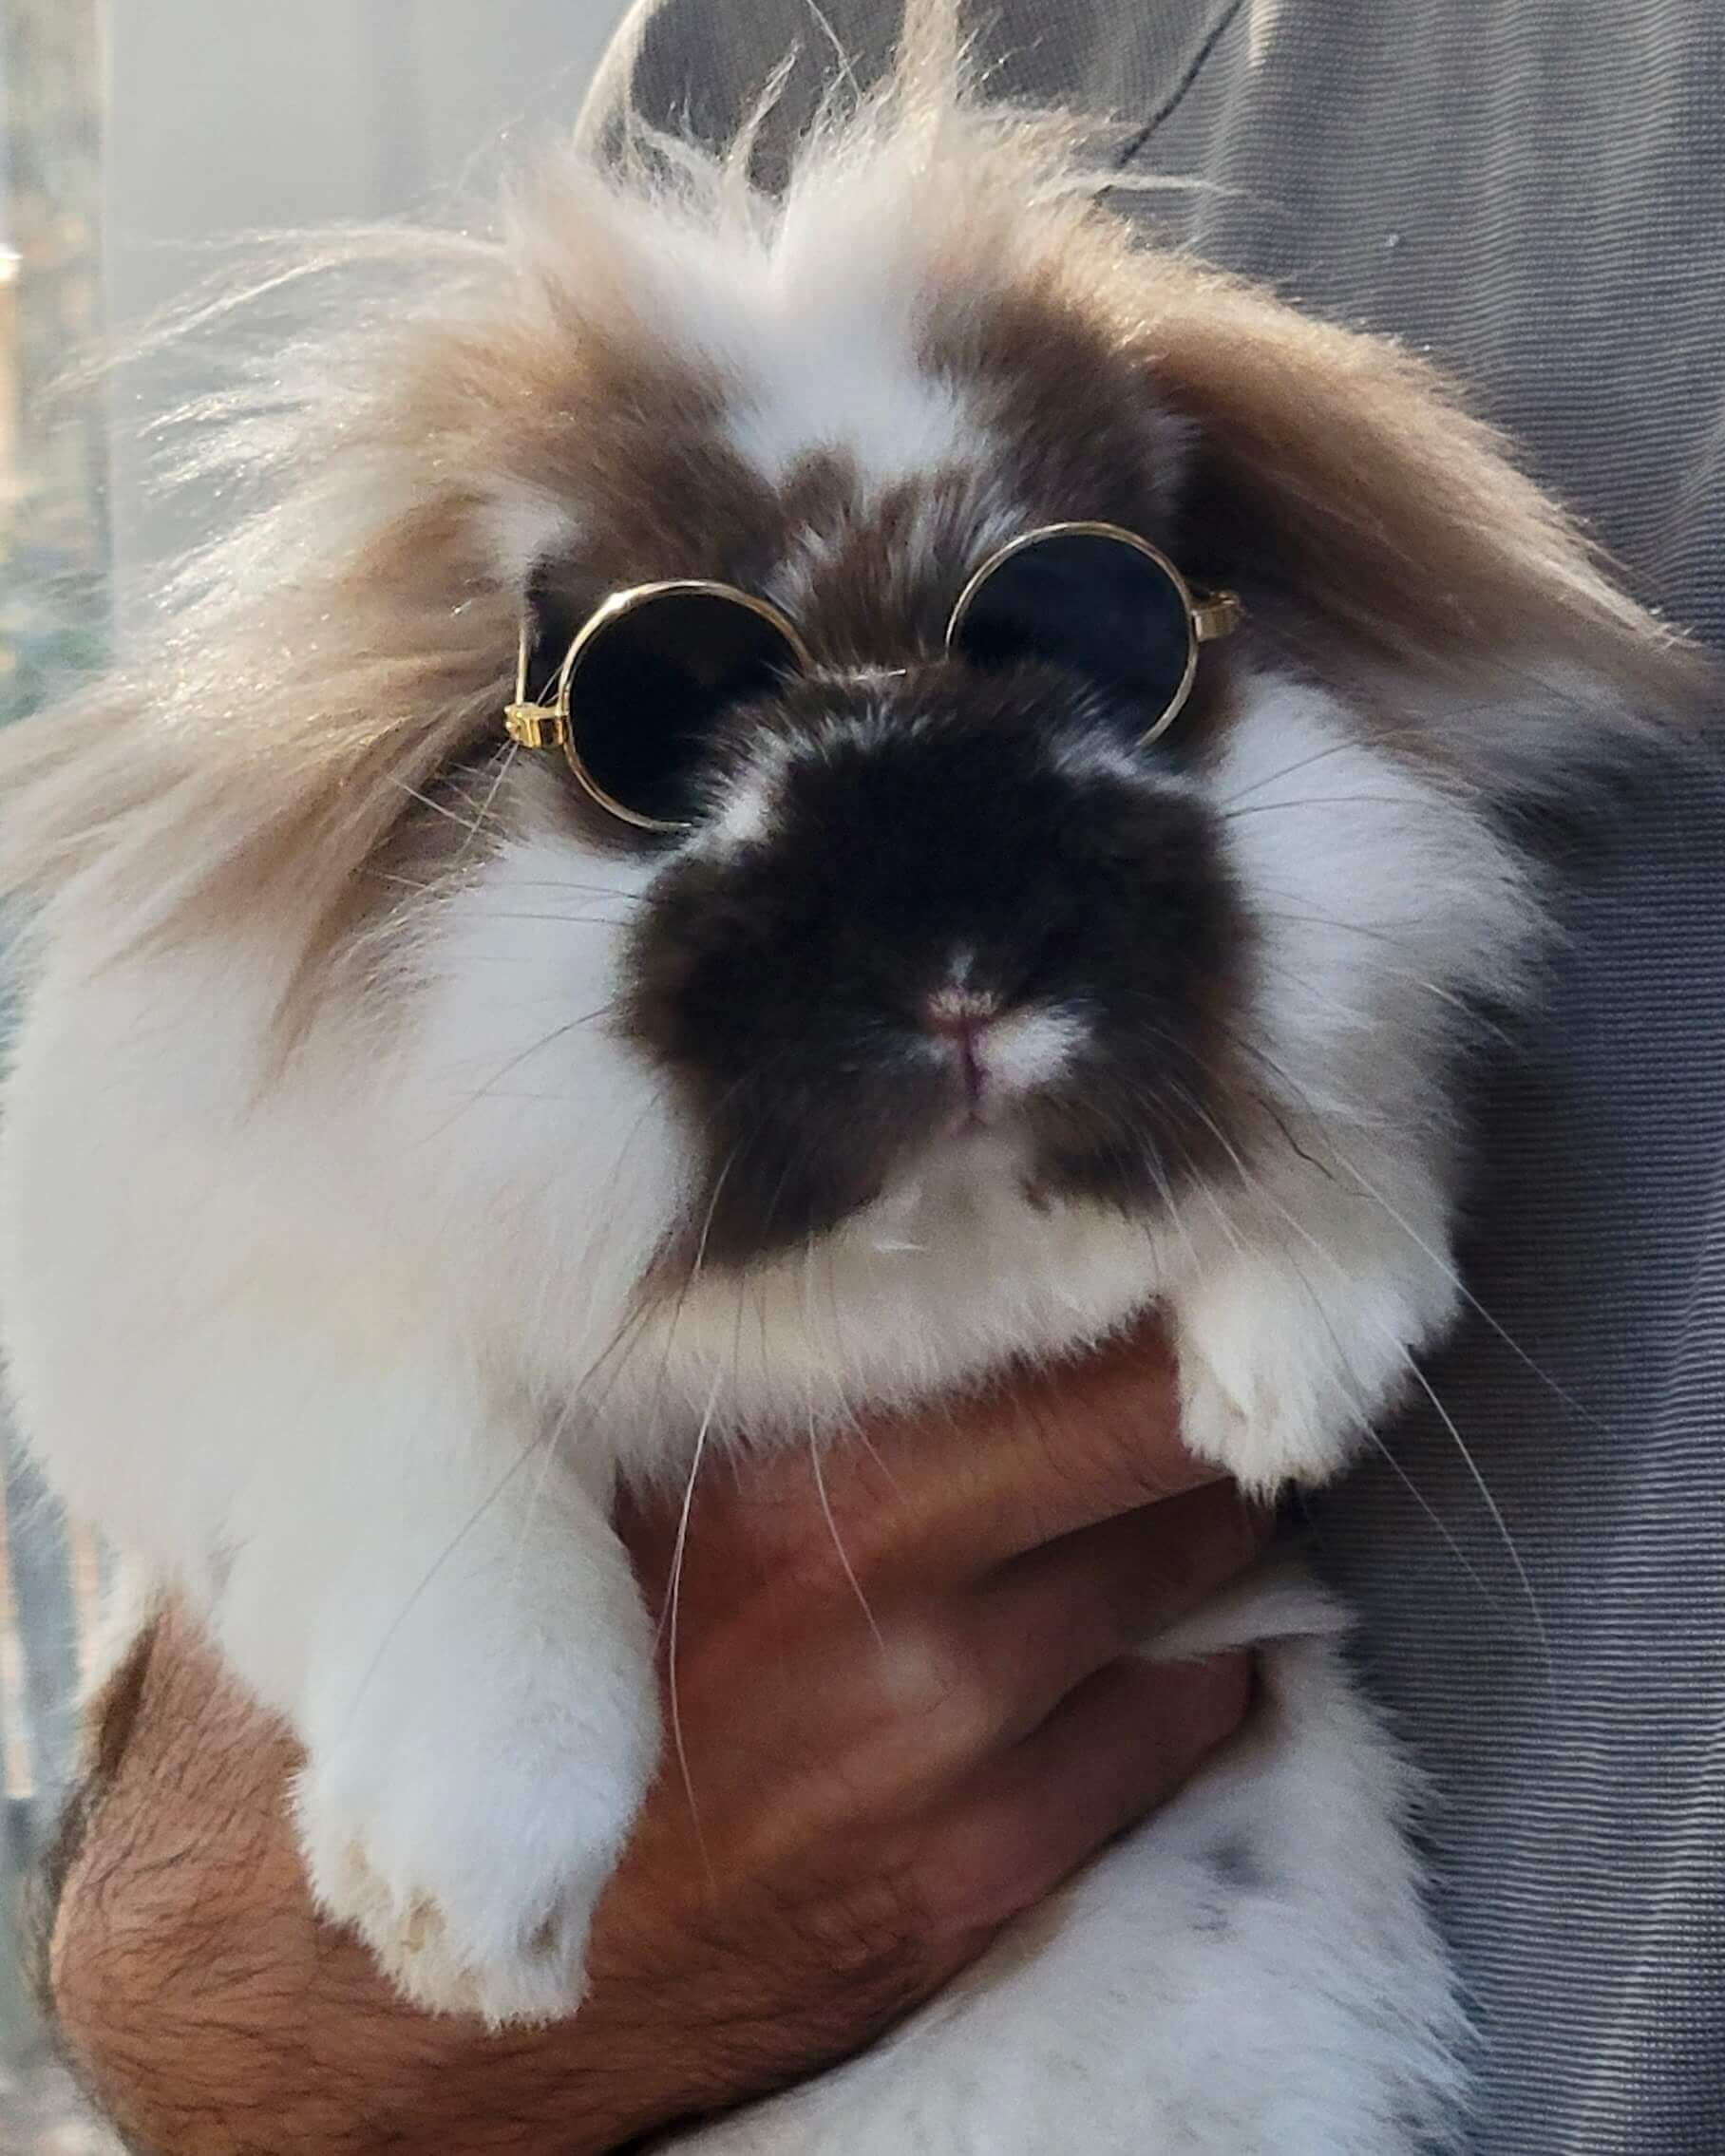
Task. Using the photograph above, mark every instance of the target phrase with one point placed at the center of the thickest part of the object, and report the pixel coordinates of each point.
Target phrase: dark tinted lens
(1090, 602)
(651, 684)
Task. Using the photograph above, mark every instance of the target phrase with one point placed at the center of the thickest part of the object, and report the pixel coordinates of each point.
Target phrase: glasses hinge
(535, 726)
(1216, 613)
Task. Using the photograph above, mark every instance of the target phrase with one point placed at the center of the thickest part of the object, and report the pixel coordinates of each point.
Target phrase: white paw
(1244, 1420)
(468, 1848)
(1277, 1383)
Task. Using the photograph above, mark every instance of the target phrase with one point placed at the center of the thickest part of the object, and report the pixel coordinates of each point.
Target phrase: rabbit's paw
(468, 1848)
(1277, 1382)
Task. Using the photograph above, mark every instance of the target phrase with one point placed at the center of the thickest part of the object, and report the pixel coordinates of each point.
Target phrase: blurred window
(54, 451)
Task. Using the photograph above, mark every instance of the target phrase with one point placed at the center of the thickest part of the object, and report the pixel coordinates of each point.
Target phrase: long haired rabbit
(1018, 785)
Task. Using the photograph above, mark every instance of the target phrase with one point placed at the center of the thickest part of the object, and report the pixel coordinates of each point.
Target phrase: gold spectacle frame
(1211, 615)
(548, 724)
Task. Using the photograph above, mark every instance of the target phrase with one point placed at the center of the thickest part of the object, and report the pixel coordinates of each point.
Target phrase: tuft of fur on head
(323, 661)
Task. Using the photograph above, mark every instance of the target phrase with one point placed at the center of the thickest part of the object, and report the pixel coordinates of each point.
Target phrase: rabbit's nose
(961, 1022)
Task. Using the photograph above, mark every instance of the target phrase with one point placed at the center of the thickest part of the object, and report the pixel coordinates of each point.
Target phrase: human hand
(852, 1804)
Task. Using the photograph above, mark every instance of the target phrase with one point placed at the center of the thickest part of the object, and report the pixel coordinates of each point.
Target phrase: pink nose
(949, 1019)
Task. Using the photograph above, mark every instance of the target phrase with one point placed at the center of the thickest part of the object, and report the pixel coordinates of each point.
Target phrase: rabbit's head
(1012, 728)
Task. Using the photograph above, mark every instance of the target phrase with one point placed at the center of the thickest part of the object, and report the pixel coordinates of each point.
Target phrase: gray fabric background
(1533, 191)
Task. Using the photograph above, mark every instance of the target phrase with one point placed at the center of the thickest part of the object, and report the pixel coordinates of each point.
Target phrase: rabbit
(887, 732)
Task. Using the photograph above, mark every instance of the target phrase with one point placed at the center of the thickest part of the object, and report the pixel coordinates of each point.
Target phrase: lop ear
(1381, 534)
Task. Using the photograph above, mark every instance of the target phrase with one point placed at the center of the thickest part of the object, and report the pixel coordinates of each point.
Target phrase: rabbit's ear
(1374, 527)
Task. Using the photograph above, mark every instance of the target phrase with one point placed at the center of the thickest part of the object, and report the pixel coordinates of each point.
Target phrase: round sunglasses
(634, 701)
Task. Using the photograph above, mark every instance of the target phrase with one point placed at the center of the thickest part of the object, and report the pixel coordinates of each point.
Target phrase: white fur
(823, 352)
(745, 818)
(855, 390)
(525, 527)
(1030, 1048)
(811, 324)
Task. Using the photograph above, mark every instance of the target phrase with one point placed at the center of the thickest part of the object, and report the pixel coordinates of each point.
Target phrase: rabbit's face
(938, 906)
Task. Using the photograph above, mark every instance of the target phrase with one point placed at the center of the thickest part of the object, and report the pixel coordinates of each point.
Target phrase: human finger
(1049, 1620)
(1116, 1748)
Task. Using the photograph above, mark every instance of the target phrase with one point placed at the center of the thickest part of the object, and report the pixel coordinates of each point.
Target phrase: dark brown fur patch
(1065, 405)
